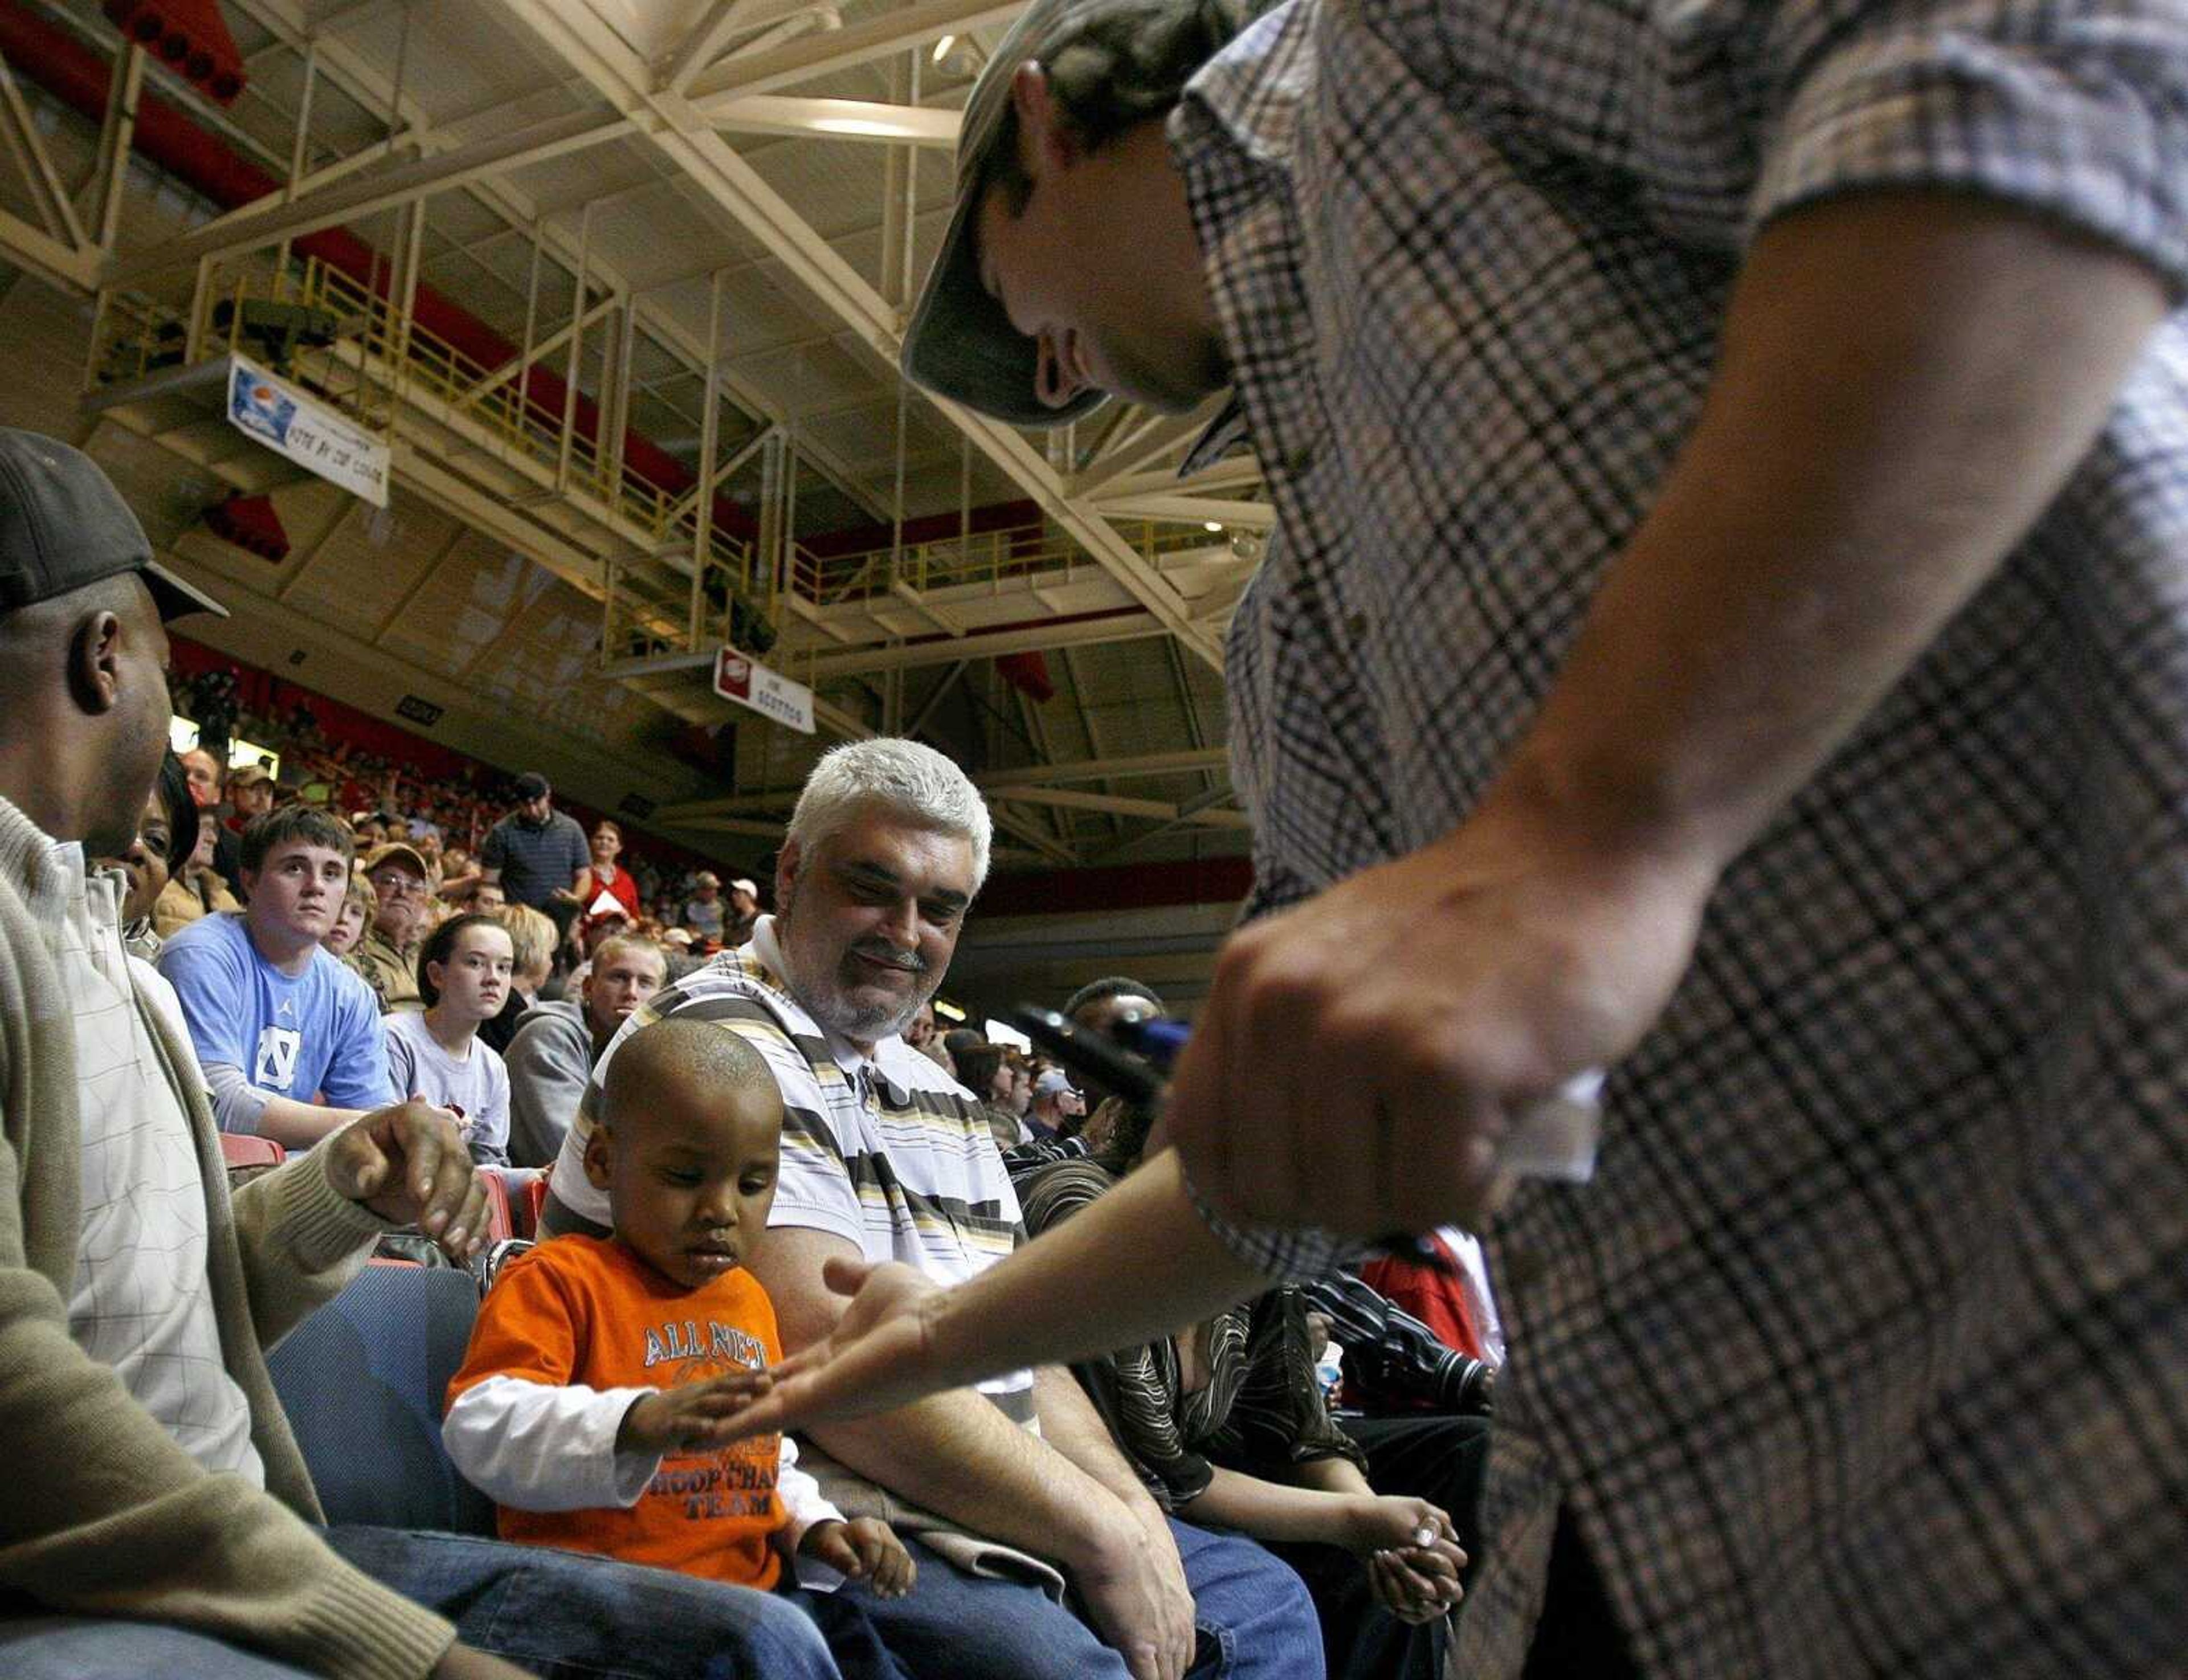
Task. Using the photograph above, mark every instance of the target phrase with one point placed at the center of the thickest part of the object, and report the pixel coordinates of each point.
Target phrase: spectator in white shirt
(702, 910)
(464, 977)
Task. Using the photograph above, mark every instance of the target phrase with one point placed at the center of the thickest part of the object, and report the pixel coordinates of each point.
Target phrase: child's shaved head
(660, 1066)
(687, 1147)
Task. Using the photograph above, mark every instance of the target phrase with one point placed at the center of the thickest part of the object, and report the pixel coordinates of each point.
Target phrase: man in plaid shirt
(1726, 623)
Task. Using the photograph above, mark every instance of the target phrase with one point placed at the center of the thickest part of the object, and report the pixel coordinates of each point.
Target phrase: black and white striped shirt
(888, 1153)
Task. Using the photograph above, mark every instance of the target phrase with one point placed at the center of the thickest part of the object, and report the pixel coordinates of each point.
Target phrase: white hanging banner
(737, 678)
(315, 438)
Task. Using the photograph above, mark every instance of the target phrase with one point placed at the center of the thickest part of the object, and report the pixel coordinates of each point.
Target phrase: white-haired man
(885, 1157)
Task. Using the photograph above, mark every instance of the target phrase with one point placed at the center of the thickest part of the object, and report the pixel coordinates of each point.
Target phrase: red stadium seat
(535, 1202)
(500, 1222)
(239, 1149)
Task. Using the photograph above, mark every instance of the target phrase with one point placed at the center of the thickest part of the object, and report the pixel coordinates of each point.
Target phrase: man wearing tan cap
(1722, 623)
(251, 792)
(703, 910)
(388, 953)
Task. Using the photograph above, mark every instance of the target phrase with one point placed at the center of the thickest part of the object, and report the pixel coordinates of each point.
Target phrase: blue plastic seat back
(362, 1380)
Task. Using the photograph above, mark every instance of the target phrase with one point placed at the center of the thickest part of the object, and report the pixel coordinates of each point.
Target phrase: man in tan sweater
(157, 1513)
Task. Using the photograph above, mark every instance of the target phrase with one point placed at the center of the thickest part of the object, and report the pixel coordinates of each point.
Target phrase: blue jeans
(566, 1617)
(78, 1648)
(1254, 1619)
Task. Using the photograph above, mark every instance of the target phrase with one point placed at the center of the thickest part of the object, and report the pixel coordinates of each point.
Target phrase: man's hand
(1133, 1585)
(865, 1548)
(1455, 987)
(881, 1354)
(691, 1415)
(408, 1165)
(464, 1662)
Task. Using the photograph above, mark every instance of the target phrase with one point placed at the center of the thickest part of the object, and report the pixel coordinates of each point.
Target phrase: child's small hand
(865, 1548)
(678, 1419)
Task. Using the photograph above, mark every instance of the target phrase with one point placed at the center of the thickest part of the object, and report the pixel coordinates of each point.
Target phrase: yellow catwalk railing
(382, 357)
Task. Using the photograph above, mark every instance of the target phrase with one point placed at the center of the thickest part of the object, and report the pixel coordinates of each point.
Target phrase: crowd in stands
(449, 818)
(415, 1004)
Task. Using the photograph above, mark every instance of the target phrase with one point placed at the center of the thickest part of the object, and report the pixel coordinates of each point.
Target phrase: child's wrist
(635, 1434)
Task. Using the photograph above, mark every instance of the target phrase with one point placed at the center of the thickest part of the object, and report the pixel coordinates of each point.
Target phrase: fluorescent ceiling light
(860, 125)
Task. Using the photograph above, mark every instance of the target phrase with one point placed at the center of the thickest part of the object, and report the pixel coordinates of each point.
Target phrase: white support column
(297, 149)
(407, 296)
(703, 512)
(526, 351)
(116, 137)
(616, 415)
(577, 348)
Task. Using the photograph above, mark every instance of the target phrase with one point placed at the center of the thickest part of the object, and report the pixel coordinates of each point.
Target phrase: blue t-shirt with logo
(310, 1037)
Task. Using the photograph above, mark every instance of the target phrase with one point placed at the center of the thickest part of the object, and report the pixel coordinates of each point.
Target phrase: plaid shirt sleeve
(1285, 1255)
(2080, 111)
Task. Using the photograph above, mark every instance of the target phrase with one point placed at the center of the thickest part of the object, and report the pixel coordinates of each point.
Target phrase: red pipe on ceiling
(190, 36)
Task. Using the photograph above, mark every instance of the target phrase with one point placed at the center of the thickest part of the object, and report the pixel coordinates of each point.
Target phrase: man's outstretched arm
(1905, 382)
(955, 1453)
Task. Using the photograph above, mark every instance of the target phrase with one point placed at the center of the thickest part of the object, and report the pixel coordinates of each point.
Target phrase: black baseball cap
(532, 785)
(63, 525)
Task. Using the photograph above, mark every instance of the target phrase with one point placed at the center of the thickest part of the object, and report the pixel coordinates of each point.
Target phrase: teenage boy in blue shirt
(290, 1038)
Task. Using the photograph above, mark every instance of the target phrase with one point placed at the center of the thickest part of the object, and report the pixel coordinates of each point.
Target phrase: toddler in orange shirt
(590, 1401)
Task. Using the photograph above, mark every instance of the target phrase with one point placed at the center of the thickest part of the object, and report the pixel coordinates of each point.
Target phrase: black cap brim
(175, 598)
(960, 345)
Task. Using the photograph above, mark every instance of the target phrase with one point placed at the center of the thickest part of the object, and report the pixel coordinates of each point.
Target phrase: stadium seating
(362, 1380)
(240, 1149)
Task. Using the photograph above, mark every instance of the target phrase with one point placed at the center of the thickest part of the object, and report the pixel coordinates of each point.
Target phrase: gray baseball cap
(63, 525)
(960, 344)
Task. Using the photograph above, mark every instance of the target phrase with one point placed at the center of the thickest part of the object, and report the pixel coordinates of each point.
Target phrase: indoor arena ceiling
(703, 219)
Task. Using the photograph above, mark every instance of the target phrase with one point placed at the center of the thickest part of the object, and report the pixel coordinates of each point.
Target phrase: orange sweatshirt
(570, 1336)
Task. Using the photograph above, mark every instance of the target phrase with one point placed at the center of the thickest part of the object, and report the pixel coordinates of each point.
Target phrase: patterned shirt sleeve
(1279, 1419)
(1135, 1388)
(1285, 1254)
(2078, 110)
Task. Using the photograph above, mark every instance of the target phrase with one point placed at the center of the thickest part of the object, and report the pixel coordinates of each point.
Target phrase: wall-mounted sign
(737, 678)
(285, 419)
(418, 709)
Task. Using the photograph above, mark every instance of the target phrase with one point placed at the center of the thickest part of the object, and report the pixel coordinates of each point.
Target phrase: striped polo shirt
(886, 1152)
